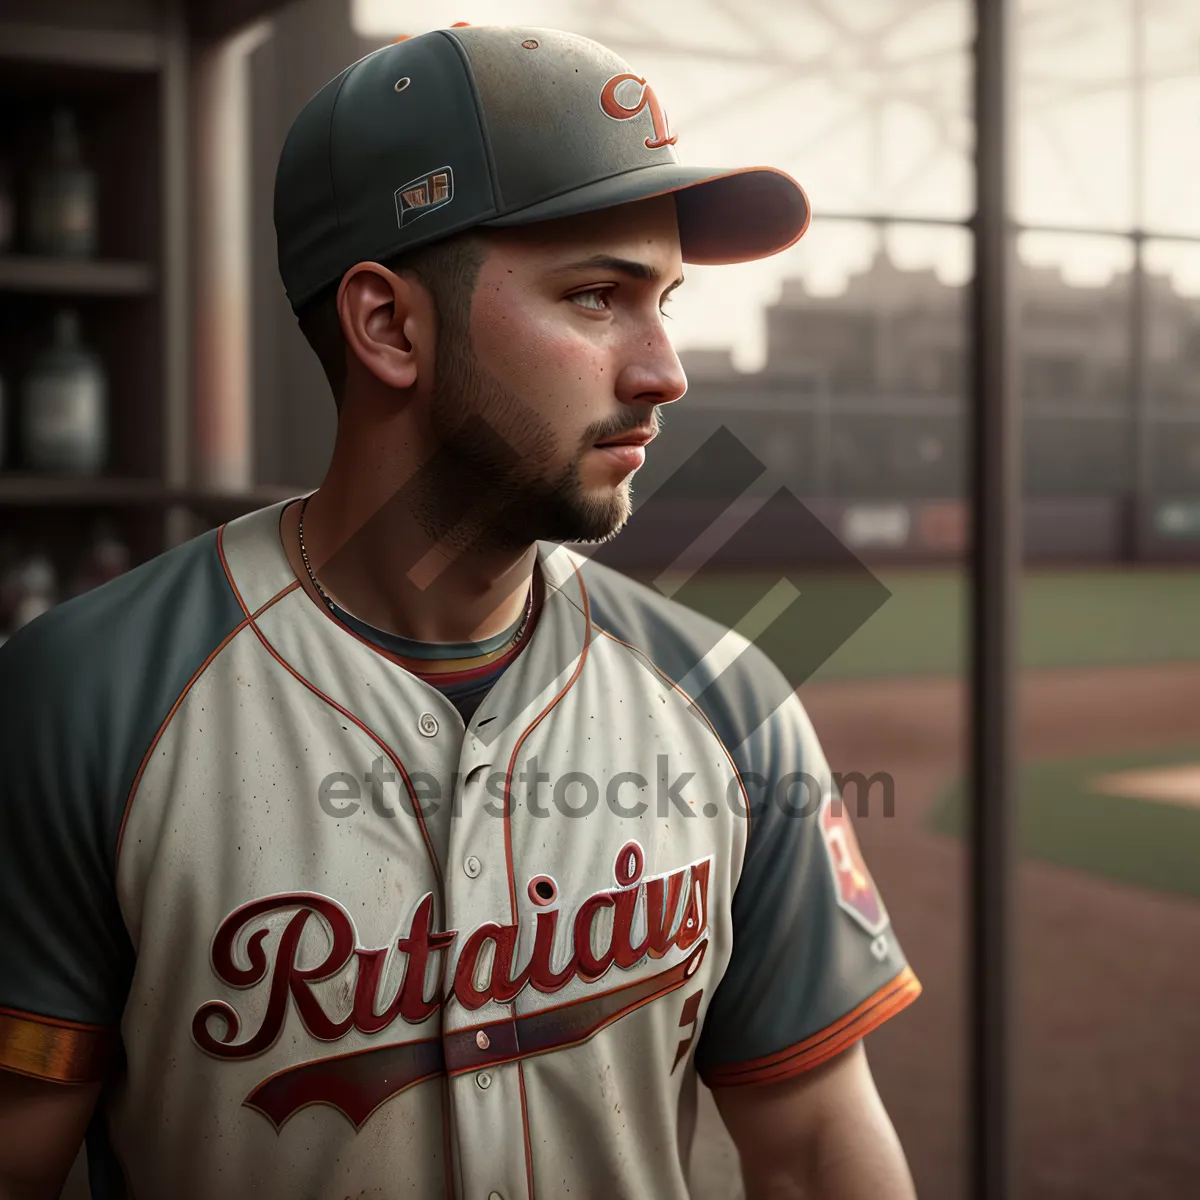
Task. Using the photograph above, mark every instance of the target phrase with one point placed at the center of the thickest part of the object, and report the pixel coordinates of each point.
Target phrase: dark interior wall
(293, 411)
(112, 14)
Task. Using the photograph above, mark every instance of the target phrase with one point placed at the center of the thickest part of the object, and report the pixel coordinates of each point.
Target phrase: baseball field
(1108, 924)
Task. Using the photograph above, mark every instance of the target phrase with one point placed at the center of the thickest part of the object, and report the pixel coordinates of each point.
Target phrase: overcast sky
(865, 104)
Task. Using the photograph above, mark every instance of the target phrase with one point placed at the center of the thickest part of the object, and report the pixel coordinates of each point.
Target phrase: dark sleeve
(815, 963)
(83, 691)
(64, 956)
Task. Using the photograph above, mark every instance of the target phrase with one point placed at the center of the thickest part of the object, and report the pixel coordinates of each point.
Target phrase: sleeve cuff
(54, 1050)
(895, 995)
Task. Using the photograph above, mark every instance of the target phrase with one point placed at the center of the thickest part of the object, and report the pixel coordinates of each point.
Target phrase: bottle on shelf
(64, 405)
(62, 196)
(30, 590)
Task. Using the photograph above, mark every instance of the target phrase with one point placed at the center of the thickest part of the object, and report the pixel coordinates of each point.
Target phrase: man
(376, 843)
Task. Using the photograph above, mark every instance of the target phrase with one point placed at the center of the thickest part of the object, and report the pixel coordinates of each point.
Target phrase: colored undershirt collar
(463, 672)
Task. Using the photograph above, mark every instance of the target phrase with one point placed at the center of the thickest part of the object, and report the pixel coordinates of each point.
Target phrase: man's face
(566, 347)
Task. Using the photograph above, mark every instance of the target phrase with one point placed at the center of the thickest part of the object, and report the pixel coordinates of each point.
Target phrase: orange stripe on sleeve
(46, 1048)
(899, 993)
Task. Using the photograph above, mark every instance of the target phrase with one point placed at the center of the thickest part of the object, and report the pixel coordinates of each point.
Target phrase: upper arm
(823, 1132)
(64, 952)
(815, 964)
(768, 1121)
(61, 953)
(43, 1126)
(83, 691)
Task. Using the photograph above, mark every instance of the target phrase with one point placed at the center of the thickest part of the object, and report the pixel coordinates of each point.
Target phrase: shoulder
(741, 690)
(85, 686)
(181, 596)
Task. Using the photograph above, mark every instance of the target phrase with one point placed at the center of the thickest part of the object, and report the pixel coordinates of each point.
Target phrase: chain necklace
(516, 637)
(307, 565)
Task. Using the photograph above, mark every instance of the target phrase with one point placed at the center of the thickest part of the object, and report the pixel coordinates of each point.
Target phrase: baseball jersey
(318, 938)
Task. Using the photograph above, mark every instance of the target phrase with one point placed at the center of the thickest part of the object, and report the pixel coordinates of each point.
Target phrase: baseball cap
(497, 126)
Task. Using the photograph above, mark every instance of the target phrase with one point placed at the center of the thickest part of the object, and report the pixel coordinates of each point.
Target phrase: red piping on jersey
(316, 691)
(187, 687)
(525, 1126)
(720, 742)
(512, 762)
(508, 850)
(882, 1004)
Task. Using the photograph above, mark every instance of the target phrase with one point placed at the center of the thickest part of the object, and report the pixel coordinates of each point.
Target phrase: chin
(570, 513)
(603, 514)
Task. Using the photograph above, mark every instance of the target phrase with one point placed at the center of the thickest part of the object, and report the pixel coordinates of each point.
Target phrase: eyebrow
(624, 266)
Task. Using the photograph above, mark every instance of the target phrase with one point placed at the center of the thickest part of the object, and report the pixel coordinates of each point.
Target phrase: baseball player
(379, 844)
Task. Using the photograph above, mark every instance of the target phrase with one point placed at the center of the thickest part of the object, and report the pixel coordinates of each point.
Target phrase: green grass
(1060, 820)
(1068, 618)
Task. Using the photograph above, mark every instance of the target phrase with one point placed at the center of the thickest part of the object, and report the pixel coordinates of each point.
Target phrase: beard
(486, 485)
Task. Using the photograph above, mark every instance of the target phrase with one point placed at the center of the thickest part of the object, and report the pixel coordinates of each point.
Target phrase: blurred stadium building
(862, 399)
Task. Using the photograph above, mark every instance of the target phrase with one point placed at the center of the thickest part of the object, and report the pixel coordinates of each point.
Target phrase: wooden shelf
(95, 49)
(75, 276)
(122, 66)
(28, 490)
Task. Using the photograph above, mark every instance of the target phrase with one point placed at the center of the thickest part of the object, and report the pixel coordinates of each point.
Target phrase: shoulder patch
(856, 892)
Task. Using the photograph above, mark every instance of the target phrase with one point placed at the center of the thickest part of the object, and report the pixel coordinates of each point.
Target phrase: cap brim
(729, 216)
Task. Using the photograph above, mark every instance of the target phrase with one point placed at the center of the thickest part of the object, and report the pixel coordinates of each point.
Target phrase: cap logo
(423, 194)
(612, 107)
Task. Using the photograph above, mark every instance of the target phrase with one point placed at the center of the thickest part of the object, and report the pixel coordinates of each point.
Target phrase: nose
(652, 372)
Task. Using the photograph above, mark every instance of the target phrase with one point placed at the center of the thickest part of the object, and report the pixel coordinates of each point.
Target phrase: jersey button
(472, 867)
(484, 1080)
(495, 1196)
(428, 725)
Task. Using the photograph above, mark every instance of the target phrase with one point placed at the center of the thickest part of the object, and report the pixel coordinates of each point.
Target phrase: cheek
(540, 355)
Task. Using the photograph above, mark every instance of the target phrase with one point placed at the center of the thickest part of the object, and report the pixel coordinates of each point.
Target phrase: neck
(379, 561)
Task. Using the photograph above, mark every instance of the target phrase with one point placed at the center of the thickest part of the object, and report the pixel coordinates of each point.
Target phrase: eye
(602, 294)
(578, 297)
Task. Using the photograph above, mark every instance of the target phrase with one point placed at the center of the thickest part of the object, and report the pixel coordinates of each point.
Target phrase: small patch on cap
(423, 194)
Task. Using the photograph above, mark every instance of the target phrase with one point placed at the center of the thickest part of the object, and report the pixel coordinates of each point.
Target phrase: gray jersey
(320, 939)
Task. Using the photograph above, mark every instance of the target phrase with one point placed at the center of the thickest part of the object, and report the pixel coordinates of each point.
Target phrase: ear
(388, 323)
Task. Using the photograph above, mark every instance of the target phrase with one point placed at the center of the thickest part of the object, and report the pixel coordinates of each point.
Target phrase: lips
(636, 437)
